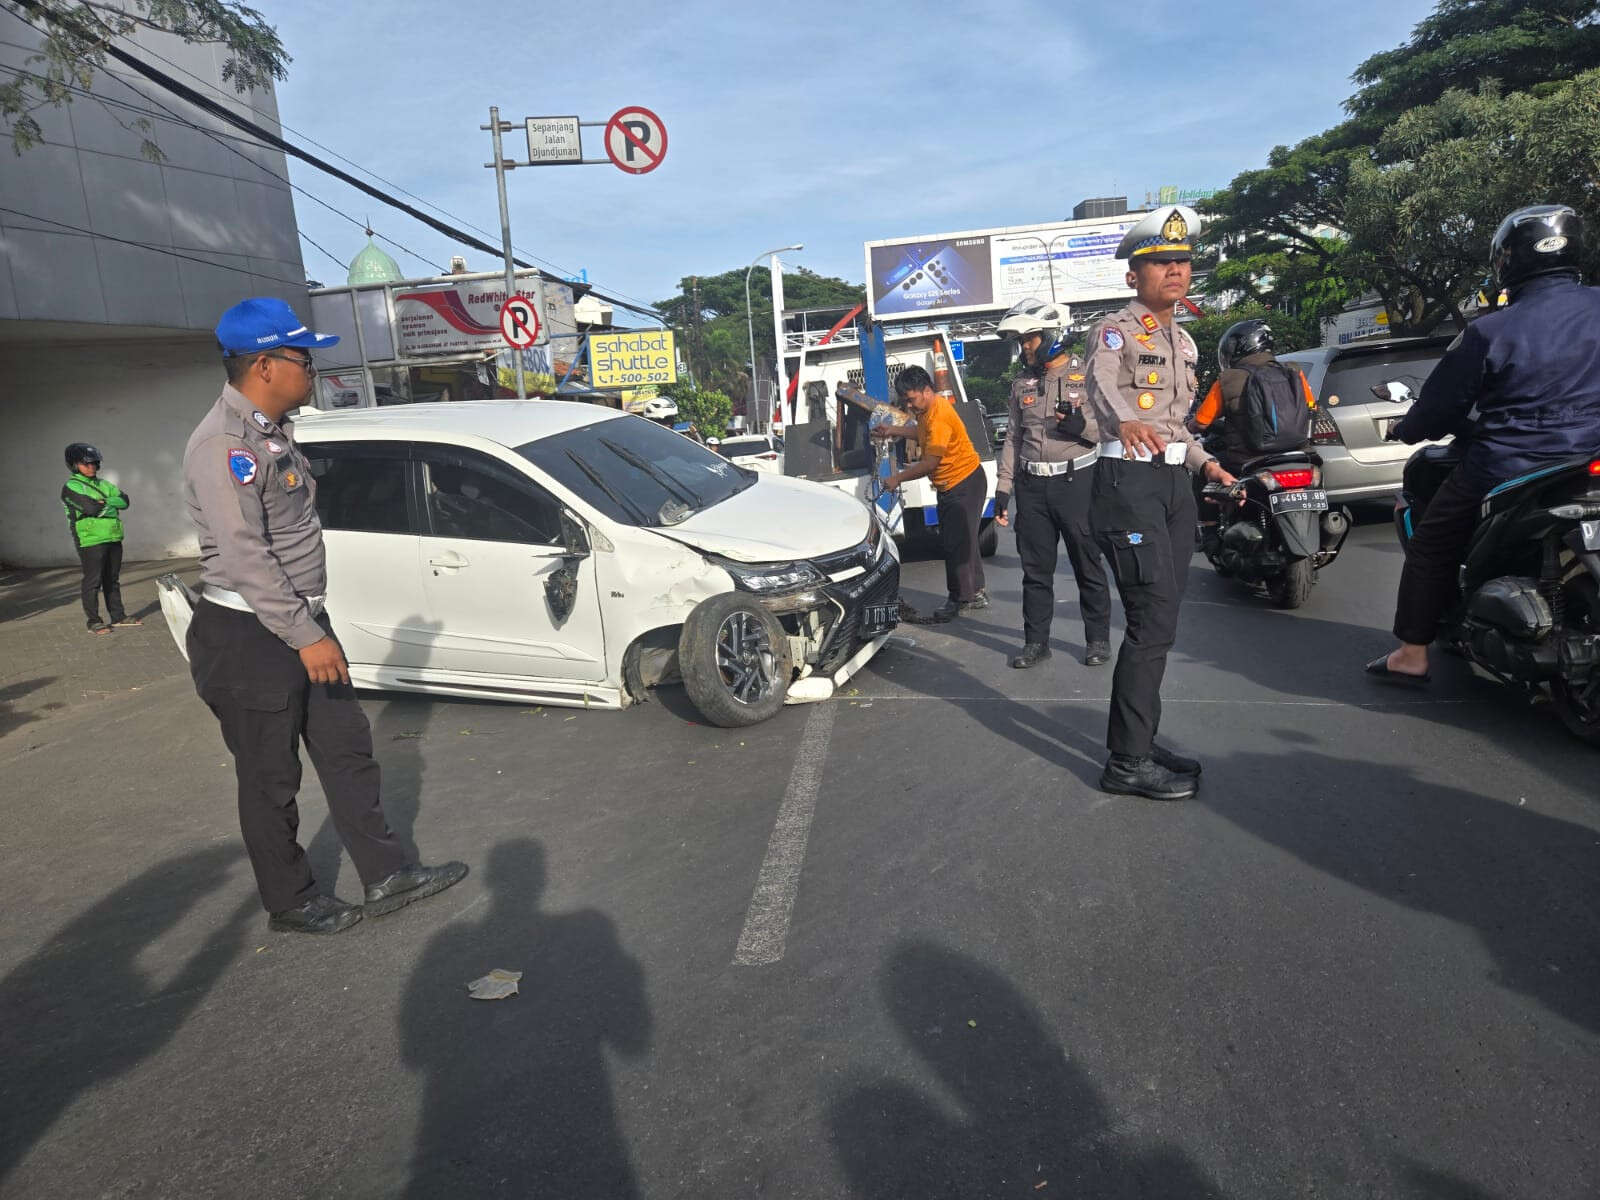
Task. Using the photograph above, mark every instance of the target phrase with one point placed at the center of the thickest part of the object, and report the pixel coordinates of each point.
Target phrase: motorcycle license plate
(1591, 535)
(1304, 500)
(878, 619)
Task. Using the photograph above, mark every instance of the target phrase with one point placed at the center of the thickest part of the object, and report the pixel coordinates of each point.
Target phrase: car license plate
(879, 619)
(1305, 500)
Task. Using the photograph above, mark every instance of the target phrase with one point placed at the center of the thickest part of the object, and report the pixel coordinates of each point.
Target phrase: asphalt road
(895, 947)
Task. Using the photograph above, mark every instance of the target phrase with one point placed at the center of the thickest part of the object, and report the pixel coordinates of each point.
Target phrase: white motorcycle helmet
(1036, 316)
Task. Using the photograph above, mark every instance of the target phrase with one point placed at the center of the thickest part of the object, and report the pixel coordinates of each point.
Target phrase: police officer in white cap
(1141, 388)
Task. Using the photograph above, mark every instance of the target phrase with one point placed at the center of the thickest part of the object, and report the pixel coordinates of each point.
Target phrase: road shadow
(397, 741)
(1527, 884)
(81, 1011)
(517, 1096)
(12, 717)
(1026, 1122)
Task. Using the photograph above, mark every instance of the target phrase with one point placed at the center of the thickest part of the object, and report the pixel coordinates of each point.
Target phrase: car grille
(881, 586)
(846, 560)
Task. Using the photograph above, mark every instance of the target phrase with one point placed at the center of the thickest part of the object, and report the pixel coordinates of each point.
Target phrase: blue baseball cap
(265, 323)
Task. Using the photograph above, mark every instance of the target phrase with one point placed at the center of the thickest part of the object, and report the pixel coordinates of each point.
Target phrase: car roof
(1377, 346)
(508, 422)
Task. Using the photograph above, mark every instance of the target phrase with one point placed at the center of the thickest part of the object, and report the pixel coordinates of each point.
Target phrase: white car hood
(777, 519)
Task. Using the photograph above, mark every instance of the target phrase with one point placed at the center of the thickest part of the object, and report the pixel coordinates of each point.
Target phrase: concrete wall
(211, 223)
(137, 402)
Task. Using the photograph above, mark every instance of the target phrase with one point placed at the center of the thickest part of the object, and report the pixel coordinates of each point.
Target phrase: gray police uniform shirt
(252, 499)
(1031, 436)
(1142, 370)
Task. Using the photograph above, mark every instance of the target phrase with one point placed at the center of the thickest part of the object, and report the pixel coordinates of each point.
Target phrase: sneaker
(981, 600)
(415, 882)
(1126, 776)
(1033, 653)
(1097, 654)
(320, 914)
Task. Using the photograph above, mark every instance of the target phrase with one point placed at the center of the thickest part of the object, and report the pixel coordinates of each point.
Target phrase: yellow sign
(628, 360)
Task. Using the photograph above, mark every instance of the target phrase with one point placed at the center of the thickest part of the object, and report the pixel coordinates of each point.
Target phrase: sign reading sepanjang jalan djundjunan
(453, 317)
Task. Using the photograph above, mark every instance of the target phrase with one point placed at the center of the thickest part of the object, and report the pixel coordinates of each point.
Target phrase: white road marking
(993, 699)
(766, 925)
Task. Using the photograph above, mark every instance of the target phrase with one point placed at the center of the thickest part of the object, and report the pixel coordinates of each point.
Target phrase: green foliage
(709, 314)
(75, 35)
(709, 410)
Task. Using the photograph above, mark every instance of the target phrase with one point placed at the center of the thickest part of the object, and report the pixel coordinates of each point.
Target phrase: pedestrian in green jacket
(93, 505)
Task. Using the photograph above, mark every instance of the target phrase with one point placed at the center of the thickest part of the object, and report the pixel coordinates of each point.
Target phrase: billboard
(985, 269)
(450, 318)
(628, 360)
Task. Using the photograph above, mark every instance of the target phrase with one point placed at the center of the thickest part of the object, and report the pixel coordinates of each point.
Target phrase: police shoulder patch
(260, 418)
(1112, 338)
(242, 465)
(1150, 323)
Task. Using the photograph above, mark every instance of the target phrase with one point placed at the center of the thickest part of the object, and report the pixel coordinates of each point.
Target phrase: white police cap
(1162, 236)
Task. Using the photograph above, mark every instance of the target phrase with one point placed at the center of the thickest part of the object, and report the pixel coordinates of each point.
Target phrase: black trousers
(1052, 509)
(102, 572)
(1429, 581)
(258, 690)
(1143, 515)
(960, 515)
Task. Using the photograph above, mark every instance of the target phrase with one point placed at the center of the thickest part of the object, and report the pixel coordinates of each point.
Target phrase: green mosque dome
(372, 265)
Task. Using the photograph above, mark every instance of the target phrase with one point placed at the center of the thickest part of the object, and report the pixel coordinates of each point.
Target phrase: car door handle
(452, 559)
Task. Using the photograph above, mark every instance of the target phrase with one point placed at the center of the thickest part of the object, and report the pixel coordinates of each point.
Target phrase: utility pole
(694, 328)
(500, 169)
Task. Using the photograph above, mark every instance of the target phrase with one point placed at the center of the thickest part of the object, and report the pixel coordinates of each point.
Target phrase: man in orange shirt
(951, 464)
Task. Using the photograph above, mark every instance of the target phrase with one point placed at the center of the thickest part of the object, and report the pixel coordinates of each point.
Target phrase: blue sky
(787, 125)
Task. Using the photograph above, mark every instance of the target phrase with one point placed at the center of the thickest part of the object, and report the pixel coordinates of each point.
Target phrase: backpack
(1273, 409)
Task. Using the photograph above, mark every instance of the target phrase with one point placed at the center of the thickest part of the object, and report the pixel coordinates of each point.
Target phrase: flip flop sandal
(100, 630)
(1378, 668)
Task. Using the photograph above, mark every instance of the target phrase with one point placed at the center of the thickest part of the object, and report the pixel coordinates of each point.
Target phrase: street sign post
(553, 140)
(636, 139)
(519, 322)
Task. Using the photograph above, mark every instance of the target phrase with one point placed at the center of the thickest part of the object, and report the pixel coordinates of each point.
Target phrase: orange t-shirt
(941, 431)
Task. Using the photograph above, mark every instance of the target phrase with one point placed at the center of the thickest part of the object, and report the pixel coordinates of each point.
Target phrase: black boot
(1176, 763)
(947, 611)
(411, 883)
(1097, 654)
(1033, 653)
(320, 914)
(1126, 776)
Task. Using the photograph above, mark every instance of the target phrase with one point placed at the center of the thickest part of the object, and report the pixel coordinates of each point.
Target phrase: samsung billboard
(985, 269)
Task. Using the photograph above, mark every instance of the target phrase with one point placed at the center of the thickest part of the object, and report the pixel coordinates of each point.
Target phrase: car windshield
(739, 447)
(636, 472)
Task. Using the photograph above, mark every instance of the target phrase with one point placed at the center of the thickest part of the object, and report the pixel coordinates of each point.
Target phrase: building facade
(113, 272)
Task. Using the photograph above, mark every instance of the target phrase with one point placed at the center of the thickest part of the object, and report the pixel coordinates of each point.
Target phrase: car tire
(989, 540)
(1293, 587)
(734, 658)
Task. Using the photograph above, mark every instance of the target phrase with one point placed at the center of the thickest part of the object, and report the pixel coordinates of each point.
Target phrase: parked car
(999, 423)
(758, 451)
(554, 553)
(1357, 464)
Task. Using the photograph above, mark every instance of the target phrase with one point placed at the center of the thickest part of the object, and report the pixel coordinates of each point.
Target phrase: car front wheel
(734, 658)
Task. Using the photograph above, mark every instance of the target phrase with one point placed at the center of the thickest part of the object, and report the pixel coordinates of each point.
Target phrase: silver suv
(1357, 464)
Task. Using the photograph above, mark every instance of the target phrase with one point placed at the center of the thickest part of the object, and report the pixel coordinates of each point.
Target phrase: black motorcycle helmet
(82, 452)
(1242, 339)
(1539, 240)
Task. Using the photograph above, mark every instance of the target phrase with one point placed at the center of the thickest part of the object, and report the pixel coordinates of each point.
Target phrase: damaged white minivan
(555, 553)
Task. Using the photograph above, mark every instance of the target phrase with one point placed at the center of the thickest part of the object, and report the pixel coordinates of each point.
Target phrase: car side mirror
(574, 535)
(1393, 390)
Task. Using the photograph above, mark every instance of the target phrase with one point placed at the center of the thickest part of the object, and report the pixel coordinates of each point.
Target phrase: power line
(209, 86)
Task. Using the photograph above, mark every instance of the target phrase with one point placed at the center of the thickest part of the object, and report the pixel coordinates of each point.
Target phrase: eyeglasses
(305, 364)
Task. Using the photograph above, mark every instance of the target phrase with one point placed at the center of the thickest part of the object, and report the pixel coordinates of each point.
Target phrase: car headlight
(771, 577)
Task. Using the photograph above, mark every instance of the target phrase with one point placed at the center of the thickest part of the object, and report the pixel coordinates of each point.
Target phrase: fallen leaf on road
(972, 1024)
(496, 985)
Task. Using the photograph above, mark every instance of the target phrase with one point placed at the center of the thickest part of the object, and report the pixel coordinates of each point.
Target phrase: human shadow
(1427, 1183)
(1029, 1122)
(1527, 884)
(12, 717)
(80, 1011)
(517, 1097)
(397, 741)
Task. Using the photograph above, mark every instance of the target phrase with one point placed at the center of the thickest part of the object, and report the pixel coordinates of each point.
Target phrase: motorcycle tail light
(1594, 467)
(1295, 477)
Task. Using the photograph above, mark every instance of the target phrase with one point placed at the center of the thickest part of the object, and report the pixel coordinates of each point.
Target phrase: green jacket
(92, 506)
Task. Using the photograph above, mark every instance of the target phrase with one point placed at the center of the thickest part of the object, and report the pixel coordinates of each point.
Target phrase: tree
(75, 36)
(708, 410)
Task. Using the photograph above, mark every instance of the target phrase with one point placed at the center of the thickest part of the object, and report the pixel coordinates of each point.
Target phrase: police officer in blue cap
(1521, 387)
(261, 649)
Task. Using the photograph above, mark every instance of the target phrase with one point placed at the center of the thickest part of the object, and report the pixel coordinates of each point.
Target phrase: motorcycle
(1529, 611)
(1275, 530)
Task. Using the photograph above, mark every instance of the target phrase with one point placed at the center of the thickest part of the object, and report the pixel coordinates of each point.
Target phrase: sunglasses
(304, 363)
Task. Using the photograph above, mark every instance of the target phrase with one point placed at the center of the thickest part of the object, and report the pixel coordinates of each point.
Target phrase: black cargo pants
(1052, 509)
(258, 689)
(1143, 514)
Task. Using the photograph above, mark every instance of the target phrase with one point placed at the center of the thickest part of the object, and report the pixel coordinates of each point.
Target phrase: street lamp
(749, 320)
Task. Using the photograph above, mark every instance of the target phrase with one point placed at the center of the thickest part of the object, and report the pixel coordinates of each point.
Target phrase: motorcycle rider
(1521, 387)
(1243, 350)
(1050, 448)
